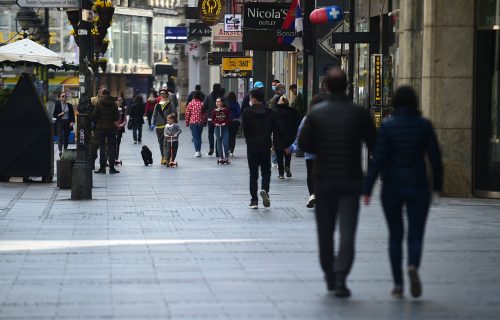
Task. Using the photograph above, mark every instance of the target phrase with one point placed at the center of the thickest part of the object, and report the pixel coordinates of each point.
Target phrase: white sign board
(49, 3)
(219, 35)
(233, 22)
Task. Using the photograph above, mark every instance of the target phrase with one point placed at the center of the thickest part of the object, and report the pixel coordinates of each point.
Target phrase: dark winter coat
(289, 123)
(209, 103)
(58, 110)
(137, 113)
(259, 123)
(105, 113)
(402, 143)
(334, 130)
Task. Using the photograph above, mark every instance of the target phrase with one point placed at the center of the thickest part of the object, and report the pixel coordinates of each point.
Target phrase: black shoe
(415, 284)
(342, 291)
(210, 152)
(330, 282)
(253, 204)
(265, 198)
(397, 292)
(113, 170)
(288, 172)
(101, 171)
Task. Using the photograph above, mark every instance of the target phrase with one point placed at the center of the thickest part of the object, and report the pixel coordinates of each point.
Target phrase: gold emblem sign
(211, 11)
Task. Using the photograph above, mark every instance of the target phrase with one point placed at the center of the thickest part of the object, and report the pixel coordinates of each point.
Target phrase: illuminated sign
(211, 11)
(237, 67)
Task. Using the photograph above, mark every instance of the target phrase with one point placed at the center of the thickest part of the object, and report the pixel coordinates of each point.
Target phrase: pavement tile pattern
(180, 243)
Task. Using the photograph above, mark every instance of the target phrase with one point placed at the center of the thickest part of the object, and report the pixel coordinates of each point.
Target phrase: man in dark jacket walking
(289, 123)
(197, 89)
(334, 131)
(208, 107)
(259, 123)
(105, 114)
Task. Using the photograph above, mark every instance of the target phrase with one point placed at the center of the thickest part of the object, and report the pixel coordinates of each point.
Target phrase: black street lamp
(81, 183)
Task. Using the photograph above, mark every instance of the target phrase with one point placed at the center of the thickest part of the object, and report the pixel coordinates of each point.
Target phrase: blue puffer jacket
(400, 149)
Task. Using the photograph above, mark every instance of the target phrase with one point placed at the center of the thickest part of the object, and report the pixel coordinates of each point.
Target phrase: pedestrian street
(180, 243)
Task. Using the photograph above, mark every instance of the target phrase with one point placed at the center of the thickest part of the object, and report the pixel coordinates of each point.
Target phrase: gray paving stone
(180, 243)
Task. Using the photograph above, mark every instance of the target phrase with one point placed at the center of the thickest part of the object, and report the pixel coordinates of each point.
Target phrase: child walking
(221, 120)
(171, 141)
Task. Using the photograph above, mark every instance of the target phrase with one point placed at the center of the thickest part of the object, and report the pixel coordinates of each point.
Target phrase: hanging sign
(199, 30)
(262, 23)
(215, 58)
(237, 67)
(211, 11)
(377, 79)
(219, 35)
(176, 35)
(48, 3)
(232, 22)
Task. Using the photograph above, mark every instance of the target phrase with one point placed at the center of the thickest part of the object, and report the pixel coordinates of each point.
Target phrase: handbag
(129, 124)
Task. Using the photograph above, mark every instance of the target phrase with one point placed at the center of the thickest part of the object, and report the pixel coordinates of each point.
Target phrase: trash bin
(65, 168)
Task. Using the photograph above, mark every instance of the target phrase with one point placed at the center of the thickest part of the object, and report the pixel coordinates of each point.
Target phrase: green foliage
(5, 93)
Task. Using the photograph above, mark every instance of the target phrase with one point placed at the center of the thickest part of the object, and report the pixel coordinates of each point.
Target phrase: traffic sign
(237, 67)
(49, 3)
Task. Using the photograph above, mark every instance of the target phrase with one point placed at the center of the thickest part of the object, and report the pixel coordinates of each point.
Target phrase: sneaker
(265, 198)
(397, 292)
(197, 154)
(113, 171)
(288, 172)
(253, 204)
(135, 142)
(311, 202)
(281, 177)
(415, 284)
(231, 155)
(100, 171)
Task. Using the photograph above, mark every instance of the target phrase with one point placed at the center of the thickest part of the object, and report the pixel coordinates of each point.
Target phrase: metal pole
(47, 44)
(352, 16)
(81, 184)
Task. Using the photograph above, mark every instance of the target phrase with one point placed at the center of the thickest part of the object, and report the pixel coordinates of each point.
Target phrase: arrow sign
(49, 3)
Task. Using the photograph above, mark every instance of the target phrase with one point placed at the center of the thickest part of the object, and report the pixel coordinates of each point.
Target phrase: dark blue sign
(176, 34)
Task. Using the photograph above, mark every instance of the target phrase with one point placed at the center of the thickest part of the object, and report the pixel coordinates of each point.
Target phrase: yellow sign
(211, 11)
(237, 67)
(378, 80)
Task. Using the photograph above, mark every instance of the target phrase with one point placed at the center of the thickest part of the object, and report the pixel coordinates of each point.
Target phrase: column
(447, 86)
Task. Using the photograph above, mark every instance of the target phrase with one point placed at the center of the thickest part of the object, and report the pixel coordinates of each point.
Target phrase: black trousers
(150, 116)
(259, 157)
(310, 176)
(334, 206)
(211, 134)
(280, 154)
(233, 130)
(119, 135)
(63, 131)
(170, 149)
(109, 137)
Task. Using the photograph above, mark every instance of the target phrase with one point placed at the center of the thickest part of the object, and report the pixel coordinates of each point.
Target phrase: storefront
(487, 100)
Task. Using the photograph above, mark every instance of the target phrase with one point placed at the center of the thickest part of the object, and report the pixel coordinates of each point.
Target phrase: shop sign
(237, 67)
(265, 15)
(377, 80)
(198, 30)
(215, 58)
(49, 3)
(220, 35)
(232, 22)
(211, 11)
(176, 35)
(487, 14)
(262, 23)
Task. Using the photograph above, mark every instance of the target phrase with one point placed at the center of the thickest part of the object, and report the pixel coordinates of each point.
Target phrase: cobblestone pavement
(180, 243)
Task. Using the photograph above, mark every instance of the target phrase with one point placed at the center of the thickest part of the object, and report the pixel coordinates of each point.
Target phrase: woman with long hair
(403, 142)
(235, 114)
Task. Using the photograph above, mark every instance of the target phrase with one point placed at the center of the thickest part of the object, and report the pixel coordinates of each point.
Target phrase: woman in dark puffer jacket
(402, 144)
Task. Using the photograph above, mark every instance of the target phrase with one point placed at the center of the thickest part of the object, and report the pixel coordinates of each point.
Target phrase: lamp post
(81, 183)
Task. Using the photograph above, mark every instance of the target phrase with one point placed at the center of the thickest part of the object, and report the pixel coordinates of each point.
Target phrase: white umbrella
(27, 50)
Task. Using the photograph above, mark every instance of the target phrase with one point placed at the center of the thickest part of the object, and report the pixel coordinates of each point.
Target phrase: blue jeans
(222, 137)
(417, 201)
(196, 131)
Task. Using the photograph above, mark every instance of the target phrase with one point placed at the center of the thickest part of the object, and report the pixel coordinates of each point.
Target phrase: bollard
(65, 169)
